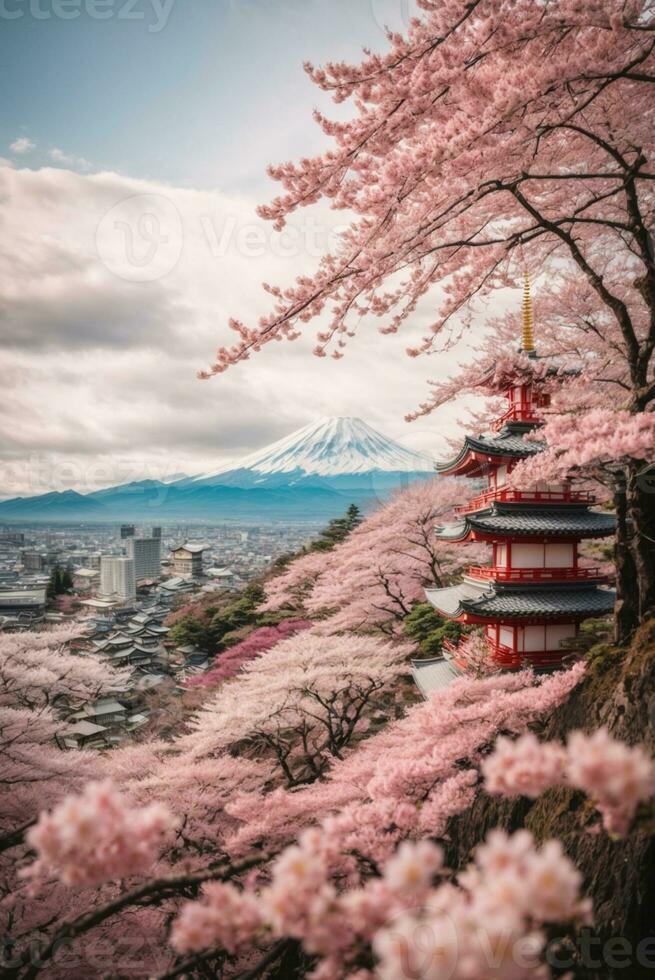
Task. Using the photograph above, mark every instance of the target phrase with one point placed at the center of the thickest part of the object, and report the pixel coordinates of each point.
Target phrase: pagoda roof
(433, 674)
(516, 519)
(544, 602)
(508, 443)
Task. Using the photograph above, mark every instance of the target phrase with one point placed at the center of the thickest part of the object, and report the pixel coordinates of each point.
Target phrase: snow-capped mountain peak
(332, 447)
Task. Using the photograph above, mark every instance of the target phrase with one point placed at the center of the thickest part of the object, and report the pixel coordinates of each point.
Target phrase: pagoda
(532, 596)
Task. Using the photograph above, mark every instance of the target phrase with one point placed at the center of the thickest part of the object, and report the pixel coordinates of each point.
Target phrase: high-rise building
(117, 578)
(156, 532)
(33, 561)
(146, 553)
(12, 537)
(127, 530)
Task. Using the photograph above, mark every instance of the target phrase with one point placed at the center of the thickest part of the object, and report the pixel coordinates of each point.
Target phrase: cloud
(115, 291)
(68, 159)
(22, 145)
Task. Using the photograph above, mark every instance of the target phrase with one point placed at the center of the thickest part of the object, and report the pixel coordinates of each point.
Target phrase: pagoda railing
(510, 659)
(567, 574)
(519, 412)
(509, 495)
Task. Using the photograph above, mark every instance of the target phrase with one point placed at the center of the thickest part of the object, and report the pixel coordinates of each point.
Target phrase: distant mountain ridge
(314, 473)
(327, 448)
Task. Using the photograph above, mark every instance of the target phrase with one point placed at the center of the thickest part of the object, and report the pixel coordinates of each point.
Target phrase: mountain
(54, 506)
(338, 451)
(312, 474)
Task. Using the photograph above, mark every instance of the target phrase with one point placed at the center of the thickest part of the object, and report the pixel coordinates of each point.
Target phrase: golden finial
(527, 337)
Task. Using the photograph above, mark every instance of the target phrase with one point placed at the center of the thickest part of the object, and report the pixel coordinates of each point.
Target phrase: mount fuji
(329, 451)
(312, 474)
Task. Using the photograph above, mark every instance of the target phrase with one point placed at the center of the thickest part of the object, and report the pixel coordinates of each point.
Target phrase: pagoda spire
(527, 335)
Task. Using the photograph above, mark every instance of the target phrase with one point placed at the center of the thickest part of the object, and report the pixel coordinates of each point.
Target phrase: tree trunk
(640, 501)
(626, 610)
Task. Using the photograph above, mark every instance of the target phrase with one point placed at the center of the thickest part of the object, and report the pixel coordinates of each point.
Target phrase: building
(86, 580)
(127, 531)
(16, 538)
(146, 553)
(156, 532)
(186, 560)
(19, 601)
(117, 578)
(33, 561)
(532, 596)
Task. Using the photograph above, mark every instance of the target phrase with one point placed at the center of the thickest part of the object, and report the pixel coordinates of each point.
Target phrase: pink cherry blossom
(225, 917)
(97, 836)
(524, 767)
(618, 777)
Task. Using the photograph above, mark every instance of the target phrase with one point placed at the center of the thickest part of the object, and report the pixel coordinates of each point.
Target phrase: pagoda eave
(480, 453)
(489, 603)
(505, 522)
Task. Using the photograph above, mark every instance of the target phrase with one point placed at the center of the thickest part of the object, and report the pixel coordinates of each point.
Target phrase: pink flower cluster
(618, 777)
(225, 917)
(524, 766)
(229, 663)
(97, 836)
(587, 440)
(486, 925)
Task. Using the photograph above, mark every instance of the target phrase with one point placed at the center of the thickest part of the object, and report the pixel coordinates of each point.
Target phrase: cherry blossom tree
(372, 580)
(41, 680)
(304, 701)
(228, 663)
(408, 779)
(39, 677)
(323, 894)
(489, 138)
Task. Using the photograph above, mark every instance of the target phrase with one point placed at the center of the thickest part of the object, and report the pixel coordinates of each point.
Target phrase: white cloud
(68, 160)
(101, 354)
(22, 145)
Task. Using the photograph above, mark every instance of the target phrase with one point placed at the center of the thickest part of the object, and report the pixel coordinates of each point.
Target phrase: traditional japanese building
(532, 596)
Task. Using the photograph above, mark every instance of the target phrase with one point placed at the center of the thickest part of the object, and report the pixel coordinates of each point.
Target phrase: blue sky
(205, 97)
(171, 109)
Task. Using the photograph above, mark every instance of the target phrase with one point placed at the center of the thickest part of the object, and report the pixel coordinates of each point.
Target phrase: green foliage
(212, 629)
(429, 630)
(337, 530)
(61, 581)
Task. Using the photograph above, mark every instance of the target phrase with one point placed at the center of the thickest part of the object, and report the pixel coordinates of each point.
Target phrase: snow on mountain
(331, 447)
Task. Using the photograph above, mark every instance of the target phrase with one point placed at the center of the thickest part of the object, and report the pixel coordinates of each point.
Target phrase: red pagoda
(534, 593)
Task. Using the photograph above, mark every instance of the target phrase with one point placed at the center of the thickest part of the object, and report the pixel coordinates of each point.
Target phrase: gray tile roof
(519, 602)
(433, 675)
(504, 443)
(520, 520)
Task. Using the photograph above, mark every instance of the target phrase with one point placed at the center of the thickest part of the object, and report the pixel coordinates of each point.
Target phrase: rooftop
(433, 674)
(520, 602)
(508, 442)
(516, 519)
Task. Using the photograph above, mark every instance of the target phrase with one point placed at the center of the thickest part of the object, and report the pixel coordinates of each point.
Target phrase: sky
(134, 141)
